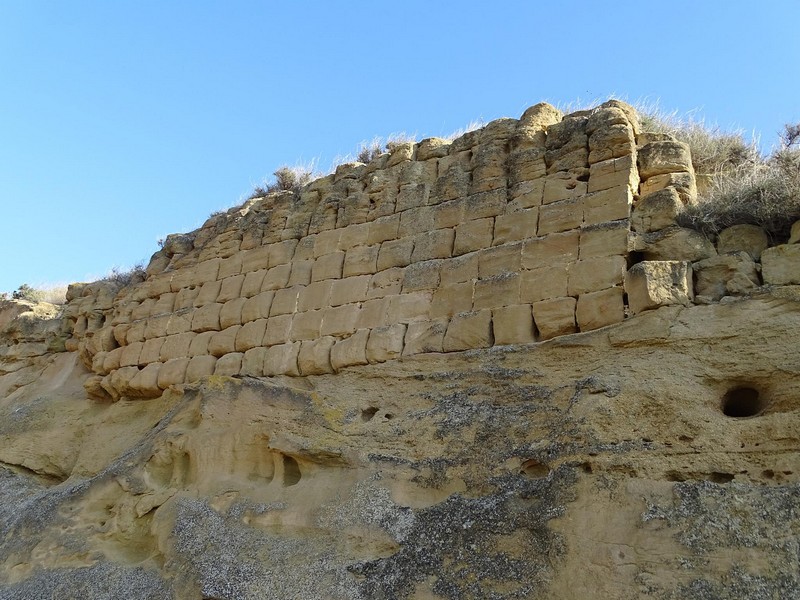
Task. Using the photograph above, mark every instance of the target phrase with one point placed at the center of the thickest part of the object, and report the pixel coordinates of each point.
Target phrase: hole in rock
(742, 402)
(388, 416)
(768, 473)
(534, 468)
(368, 413)
(291, 471)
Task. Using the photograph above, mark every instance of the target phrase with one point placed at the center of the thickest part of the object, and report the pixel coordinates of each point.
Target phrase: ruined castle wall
(513, 233)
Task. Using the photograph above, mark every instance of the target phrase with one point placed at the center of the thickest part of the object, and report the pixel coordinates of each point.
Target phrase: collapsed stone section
(513, 233)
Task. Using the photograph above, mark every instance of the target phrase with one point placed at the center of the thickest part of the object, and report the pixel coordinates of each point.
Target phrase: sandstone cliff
(493, 367)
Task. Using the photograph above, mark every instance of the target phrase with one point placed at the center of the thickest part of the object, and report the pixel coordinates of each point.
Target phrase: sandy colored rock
(662, 157)
(513, 325)
(725, 275)
(314, 357)
(350, 351)
(743, 238)
(601, 308)
(554, 317)
(794, 236)
(651, 284)
(657, 210)
(780, 265)
(385, 343)
(674, 243)
(469, 330)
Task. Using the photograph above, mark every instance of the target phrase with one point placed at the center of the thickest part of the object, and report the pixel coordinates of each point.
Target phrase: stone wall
(514, 233)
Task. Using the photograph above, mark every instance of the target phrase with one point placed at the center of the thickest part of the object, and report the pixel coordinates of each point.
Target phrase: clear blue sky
(123, 121)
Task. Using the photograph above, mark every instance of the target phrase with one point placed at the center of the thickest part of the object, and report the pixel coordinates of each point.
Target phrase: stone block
(460, 269)
(206, 318)
(473, 235)
(385, 343)
(231, 312)
(130, 354)
(328, 266)
(425, 336)
(601, 308)
(497, 291)
(605, 239)
(349, 290)
(384, 229)
(563, 185)
(674, 243)
(449, 299)
(611, 141)
(500, 259)
(433, 244)
(684, 183)
(180, 322)
(526, 195)
(144, 384)
(229, 365)
(315, 296)
(164, 304)
(251, 335)
(301, 272)
(282, 360)
(594, 274)
(351, 351)
(256, 259)
(253, 362)
(469, 330)
(374, 313)
(353, 235)
(276, 278)
(781, 265)
(257, 307)
(278, 329)
(223, 342)
(361, 260)
(172, 372)
(395, 253)
(409, 307)
(111, 360)
(664, 156)
(422, 276)
(725, 275)
(281, 253)
(385, 283)
(516, 226)
(657, 210)
(513, 325)
(651, 284)
(560, 216)
(751, 239)
(199, 274)
(253, 283)
(452, 184)
(176, 346)
(543, 283)
(199, 343)
(208, 294)
(314, 357)
(156, 326)
(446, 215)
(794, 234)
(554, 317)
(340, 321)
(185, 298)
(612, 204)
(526, 164)
(200, 367)
(306, 325)
(230, 266)
(327, 242)
(486, 204)
(151, 351)
(612, 173)
(285, 301)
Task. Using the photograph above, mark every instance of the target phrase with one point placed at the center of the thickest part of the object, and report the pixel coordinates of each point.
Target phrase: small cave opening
(368, 413)
(291, 471)
(742, 402)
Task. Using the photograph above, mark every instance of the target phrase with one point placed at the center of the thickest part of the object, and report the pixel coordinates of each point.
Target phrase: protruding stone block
(199, 343)
(251, 335)
(206, 318)
(385, 343)
(425, 336)
(661, 157)
(253, 362)
(674, 243)
(223, 342)
(657, 211)
(282, 360)
(278, 329)
(257, 307)
(513, 325)
(554, 317)
(651, 284)
(341, 320)
(231, 313)
(200, 367)
(598, 309)
(144, 384)
(231, 288)
(351, 351)
(172, 372)
(469, 330)
(151, 351)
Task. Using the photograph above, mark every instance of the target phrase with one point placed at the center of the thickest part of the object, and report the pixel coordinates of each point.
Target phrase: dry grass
(286, 178)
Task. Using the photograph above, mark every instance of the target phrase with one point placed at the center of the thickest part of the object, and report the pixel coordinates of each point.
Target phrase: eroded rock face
(599, 464)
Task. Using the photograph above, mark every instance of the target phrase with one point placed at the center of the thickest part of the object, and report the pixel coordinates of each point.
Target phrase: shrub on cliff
(286, 179)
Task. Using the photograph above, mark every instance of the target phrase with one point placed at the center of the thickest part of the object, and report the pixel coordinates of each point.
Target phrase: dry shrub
(286, 179)
(369, 151)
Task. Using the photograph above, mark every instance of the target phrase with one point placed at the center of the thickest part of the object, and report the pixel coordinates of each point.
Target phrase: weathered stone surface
(469, 330)
(781, 265)
(385, 343)
(651, 284)
(662, 157)
(725, 275)
(554, 317)
(513, 325)
(657, 210)
(350, 351)
(674, 243)
(598, 309)
(743, 238)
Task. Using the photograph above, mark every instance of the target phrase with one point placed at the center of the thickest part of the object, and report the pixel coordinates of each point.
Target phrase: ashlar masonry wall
(510, 234)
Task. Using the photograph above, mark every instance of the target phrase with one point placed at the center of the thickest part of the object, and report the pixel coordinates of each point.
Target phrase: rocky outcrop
(487, 368)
